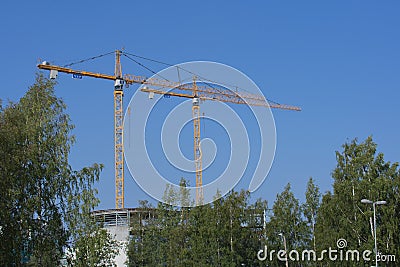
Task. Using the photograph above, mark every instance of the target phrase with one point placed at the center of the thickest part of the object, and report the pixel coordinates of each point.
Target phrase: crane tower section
(119, 133)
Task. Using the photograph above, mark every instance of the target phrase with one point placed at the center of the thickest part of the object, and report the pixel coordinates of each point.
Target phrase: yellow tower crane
(159, 86)
(204, 92)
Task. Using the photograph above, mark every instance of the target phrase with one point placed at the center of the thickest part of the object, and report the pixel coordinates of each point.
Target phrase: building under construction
(118, 223)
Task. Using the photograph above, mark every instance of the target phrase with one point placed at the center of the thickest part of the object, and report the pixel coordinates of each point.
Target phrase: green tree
(163, 237)
(361, 173)
(34, 165)
(225, 233)
(310, 209)
(174, 225)
(327, 227)
(202, 242)
(36, 178)
(144, 249)
(90, 245)
(286, 220)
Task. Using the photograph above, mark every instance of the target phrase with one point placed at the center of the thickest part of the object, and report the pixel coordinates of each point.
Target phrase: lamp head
(366, 201)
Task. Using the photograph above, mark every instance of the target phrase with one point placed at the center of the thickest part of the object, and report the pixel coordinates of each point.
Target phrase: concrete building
(117, 222)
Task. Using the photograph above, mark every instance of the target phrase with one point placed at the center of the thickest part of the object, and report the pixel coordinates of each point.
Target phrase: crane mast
(196, 145)
(118, 117)
(119, 133)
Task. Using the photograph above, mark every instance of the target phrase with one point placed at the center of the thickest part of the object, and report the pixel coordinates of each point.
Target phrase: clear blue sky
(339, 60)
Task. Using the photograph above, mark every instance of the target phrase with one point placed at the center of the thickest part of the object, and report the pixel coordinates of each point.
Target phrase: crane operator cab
(53, 73)
(195, 101)
(119, 84)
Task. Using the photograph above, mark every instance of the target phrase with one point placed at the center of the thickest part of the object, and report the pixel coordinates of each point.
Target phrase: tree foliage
(230, 231)
(361, 173)
(225, 233)
(38, 186)
(286, 225)
(310, 209)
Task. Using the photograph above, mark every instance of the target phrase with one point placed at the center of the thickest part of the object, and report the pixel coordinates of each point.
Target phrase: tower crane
(153, 86)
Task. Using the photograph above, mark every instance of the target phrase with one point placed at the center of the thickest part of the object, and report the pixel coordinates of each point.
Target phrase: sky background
(338, 60)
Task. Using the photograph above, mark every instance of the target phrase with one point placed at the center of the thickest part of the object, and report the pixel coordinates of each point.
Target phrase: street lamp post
(284, 244)
(380, 202)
